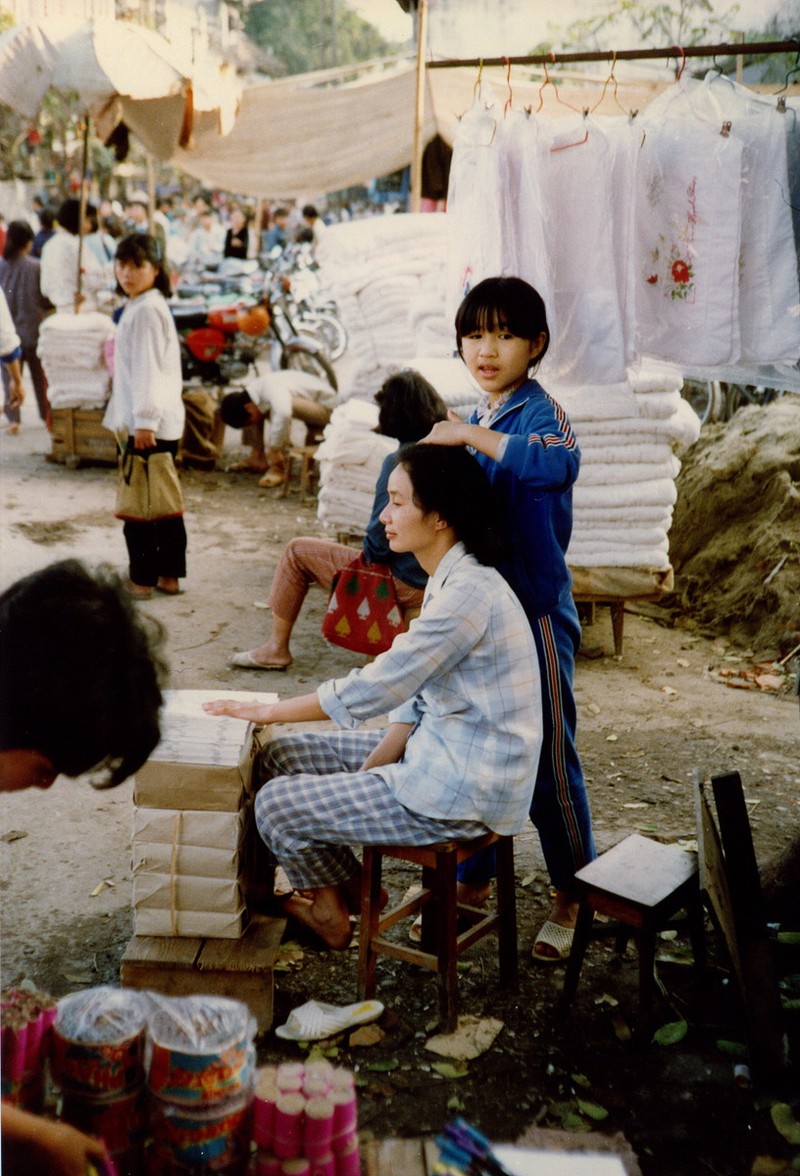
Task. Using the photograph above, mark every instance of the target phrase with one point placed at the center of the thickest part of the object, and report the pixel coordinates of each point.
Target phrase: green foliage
(304, 35)
(680, 22)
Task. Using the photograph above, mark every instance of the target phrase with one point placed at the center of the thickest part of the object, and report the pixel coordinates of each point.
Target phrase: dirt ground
(648, 720)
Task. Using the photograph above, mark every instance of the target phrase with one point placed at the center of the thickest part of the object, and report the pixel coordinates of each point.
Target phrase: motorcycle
(228, 326)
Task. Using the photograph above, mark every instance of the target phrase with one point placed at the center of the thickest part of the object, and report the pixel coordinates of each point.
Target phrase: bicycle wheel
(300, 358)
(706, 398)
(329, 329)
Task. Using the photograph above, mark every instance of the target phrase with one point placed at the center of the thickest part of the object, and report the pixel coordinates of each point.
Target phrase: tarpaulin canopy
(120, 72)
(292, 137)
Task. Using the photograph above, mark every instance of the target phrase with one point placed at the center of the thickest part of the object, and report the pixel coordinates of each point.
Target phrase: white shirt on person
(272, 393)
(148, 385)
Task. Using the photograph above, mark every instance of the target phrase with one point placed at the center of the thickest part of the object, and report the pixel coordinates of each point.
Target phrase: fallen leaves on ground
(767, 676)
(472, 1037)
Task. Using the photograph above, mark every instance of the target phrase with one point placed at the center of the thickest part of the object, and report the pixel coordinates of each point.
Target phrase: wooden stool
(305, 455)
(642, 884)
(441, 943)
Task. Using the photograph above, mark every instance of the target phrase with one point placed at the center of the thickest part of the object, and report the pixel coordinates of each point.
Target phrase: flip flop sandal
(246, 661)
(555, 936)
(316, 1020)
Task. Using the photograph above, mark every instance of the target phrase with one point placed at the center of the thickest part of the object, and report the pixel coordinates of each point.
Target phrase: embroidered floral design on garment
(681, 276)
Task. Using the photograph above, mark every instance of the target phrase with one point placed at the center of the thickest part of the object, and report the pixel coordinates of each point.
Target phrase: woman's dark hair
(69, 215)
(18, 235)
(408, 406)
(141, 247)
(233, 409)
(81, 673)
(47, 218)
(504, 302)
(448, 480)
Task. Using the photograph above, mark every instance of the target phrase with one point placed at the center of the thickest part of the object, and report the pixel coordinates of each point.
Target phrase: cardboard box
(190, 861)
(154, 922)
(178, 895)
(176, 827)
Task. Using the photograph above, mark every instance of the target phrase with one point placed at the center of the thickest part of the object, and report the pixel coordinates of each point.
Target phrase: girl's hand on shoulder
(251, 712)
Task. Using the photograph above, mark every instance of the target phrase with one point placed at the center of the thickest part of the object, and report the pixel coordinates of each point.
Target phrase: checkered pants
(316, 803)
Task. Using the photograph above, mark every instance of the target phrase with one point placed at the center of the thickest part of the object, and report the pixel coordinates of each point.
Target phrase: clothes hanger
(794, 69)
(548, 81)
(507, 106)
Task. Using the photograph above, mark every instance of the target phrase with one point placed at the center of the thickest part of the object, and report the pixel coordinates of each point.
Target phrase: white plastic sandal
(316, 1020)
(555, 936)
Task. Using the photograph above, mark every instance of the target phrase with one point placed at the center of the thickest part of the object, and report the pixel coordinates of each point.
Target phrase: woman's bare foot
(351, 893)
(475, 894)
(138, 591)
(326, 914)
(169, 585)
(272, 653)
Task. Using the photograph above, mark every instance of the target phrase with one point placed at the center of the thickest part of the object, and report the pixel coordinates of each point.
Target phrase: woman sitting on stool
(463, 689)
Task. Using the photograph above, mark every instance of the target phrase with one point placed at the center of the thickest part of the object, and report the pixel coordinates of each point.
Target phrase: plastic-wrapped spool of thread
(348, 1161)
(344, 1112)
(287, 1142)
(266, 1095)
(320, 1070)
(266, 1164)
(324, 1165)
(318, 1127)
(298, 1167)
(289, 1079)
(343, 1080)
(315, 1087)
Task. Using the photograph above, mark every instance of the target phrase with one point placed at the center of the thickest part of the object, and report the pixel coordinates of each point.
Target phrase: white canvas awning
(291, 138)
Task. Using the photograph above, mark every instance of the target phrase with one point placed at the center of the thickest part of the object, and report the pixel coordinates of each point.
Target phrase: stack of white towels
(350, 459)
(388, 275)
(72, 348)
(630, 435)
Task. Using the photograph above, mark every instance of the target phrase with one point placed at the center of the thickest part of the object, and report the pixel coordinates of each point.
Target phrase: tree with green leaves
(304, 35)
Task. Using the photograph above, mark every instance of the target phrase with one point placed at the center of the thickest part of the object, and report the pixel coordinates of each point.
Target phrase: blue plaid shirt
(466, 676)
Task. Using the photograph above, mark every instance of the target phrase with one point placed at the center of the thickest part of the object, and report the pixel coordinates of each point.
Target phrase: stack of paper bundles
(195, 845)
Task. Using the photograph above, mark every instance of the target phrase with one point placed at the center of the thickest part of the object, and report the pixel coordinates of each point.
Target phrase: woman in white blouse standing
(146, 406)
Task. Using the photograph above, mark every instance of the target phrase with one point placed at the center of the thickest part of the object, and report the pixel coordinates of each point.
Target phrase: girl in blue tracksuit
(524, 441)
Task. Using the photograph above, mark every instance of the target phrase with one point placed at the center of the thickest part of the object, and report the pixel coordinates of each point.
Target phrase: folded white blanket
(658, 492)
(625, 474)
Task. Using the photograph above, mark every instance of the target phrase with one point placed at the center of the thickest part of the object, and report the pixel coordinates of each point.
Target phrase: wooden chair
(442, 940)
(730, 882)
(641, 884)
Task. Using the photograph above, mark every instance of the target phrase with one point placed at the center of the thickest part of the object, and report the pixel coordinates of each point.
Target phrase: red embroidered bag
(363, 614)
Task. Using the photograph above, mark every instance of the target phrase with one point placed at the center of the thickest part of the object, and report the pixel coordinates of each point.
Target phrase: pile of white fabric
(630, 435)
(387, 273)
(72, 348)
(350, 459)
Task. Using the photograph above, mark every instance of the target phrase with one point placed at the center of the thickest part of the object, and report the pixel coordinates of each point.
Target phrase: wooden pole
(83, 200)
(419, 108)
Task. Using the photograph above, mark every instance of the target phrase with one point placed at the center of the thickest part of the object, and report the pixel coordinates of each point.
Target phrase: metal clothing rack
(680, 52)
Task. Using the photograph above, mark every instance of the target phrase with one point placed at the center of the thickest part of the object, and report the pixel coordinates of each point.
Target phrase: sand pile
(735, 537)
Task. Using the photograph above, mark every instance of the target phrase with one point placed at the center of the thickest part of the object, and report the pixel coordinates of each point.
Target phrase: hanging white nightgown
(589, 346)
(688, 201)
(623, 137)
(475, 199)
(527, 227)
(769, 298)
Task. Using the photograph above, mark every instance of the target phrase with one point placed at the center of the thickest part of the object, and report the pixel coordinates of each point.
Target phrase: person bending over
(80, 690)
(408, 407)
(463, 689)
(278, 397)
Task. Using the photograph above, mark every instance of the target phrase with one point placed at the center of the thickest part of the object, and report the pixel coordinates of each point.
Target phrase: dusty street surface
(647, 721)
